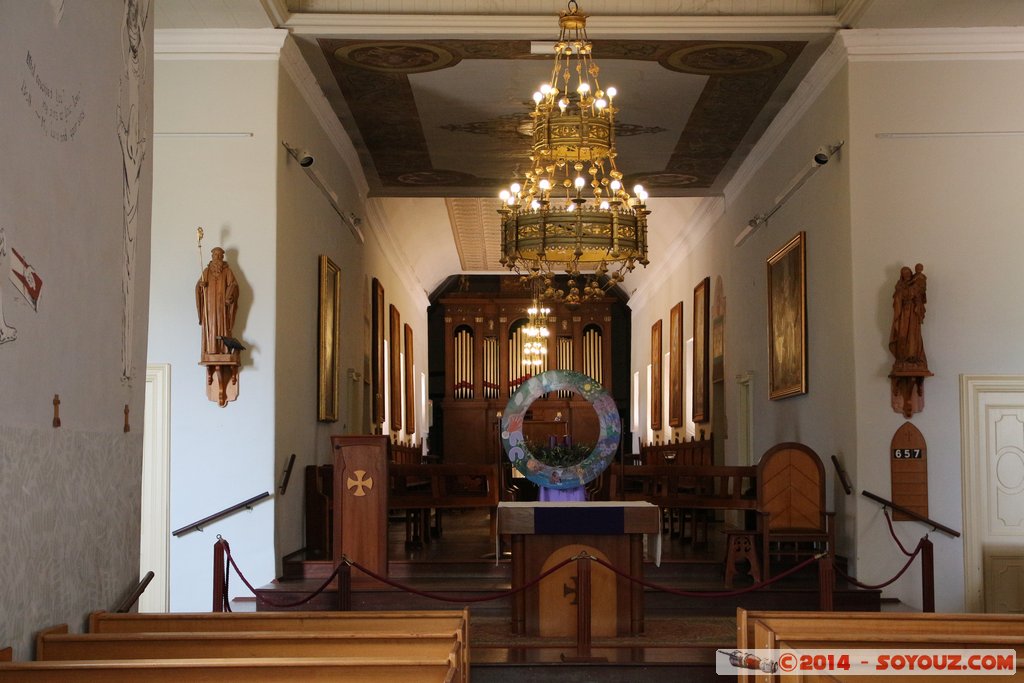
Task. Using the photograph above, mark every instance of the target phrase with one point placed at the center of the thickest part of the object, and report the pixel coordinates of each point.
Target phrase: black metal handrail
(198, 525)
(910, 513)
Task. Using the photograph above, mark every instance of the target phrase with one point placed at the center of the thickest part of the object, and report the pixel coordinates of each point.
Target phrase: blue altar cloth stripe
(578, 520)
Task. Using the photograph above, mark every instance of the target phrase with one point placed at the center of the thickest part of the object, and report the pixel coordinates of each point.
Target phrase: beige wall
(215, 159)
(952, 203)
(70, 497)
(274, 221)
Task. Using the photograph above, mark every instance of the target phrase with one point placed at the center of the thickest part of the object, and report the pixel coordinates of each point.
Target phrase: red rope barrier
(857, 583)
(708, 594)
(508, 593)
(231, 562)
(438, 596)
(892, 532)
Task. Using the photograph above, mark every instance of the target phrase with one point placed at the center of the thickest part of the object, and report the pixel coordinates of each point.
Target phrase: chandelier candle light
(570, 212)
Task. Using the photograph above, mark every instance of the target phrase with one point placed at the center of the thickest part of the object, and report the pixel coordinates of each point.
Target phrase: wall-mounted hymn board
(908, 458)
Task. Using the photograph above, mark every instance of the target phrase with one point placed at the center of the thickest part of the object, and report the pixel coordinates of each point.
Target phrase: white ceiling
(451, 227)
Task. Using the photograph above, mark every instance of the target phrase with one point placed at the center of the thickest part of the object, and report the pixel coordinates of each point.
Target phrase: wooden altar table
(546, 533)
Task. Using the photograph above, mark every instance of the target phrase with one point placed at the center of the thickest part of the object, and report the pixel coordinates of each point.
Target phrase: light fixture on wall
(820, 158)
(305, 159)
(570, 211)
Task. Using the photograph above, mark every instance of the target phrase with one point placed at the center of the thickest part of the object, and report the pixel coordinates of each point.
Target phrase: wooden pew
(56, 644)
(686, 488)
(878, 631)
(363, 623)
(270, 669)
(355, 622)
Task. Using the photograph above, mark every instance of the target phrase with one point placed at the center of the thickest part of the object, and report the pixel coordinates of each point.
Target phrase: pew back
(272, 670)
(873, 630)
(55, 646)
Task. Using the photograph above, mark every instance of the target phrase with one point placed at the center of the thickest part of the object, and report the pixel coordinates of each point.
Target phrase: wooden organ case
(484, 365)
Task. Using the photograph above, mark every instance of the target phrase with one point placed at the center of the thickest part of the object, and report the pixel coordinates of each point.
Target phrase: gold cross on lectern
(361, 484)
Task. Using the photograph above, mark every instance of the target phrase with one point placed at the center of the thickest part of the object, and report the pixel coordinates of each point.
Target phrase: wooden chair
(791, 501)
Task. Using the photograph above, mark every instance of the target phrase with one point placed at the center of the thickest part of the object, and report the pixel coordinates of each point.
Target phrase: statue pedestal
(908, 391)
(222, 371)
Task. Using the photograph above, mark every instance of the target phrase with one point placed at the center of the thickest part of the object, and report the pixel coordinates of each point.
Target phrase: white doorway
(155, 532)
(992, 433)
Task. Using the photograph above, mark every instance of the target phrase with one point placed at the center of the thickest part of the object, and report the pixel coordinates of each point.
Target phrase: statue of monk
(216, 302)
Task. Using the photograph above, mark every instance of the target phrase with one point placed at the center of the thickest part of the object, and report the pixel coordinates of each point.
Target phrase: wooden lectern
(544, 534)
(361, 503)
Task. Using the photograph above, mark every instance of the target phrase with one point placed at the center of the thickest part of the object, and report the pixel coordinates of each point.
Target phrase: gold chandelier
(536, 332)
(570, 212)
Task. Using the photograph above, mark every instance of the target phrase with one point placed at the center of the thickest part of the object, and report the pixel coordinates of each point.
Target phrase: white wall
(274, 221)
(952, 203)
(69, 496)
(225, 183)
(308, 226)
(822, 418)
(825, 417)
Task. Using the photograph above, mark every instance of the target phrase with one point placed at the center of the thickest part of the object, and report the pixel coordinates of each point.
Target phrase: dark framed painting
(675, 366)
(718, 333)
(787, 320)
(328, 341)
(701, 355)
(377, 346)
(656, 389)
(410, 384)
(395, 369)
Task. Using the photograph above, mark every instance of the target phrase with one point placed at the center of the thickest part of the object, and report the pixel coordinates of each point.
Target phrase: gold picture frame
(787, 320)
(329, 341)
(410, 383)
(701, 348)
(378, 354)
(395, 369)
(656, 388)
(675, 366)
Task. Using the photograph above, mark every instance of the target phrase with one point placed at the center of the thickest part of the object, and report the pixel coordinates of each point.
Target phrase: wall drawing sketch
(17, 271)
(7, 332)
(133, 150)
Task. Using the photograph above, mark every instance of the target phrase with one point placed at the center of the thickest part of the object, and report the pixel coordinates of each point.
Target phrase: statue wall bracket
(222, 370)
(908, 391)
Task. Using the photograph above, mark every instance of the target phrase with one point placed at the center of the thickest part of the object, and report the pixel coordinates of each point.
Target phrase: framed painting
(701, 355)
(410, 384)
(395, 369)
(718, 333)
(377, 346)
(656, 408)
(787, 320)
(329, 341)
(675, 366)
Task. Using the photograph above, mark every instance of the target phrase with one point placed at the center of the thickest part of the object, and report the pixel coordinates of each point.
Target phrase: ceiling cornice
(713, 208)
(206, 43)
(704, 218)
(277, 11)
(926, 44)
(392, 252)
(425, 26)
(298, 69)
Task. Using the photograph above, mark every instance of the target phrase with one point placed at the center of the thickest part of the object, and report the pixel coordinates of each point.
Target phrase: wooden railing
(910, 513)
(926, 547)
(199, 524)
